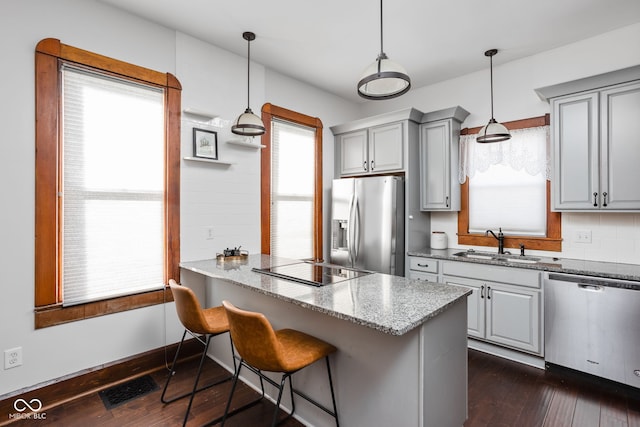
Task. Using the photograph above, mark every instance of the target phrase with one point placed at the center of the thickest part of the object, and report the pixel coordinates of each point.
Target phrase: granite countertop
(390, 304)
(607, 270)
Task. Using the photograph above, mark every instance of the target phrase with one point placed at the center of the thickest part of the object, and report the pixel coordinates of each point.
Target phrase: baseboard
(506, 353)
(62, 390)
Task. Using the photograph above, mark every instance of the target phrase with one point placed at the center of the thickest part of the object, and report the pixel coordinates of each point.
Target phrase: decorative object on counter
(205, 144)
(234, 254)
(247, 123)
(493, 131)
(384, 79)
(439, 240)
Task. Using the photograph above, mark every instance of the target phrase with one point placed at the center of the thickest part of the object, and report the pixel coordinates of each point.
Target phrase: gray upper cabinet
(375, 150)
(353, 149)
(439, 159)
(596, 143)
(620, 147)
(575, 182)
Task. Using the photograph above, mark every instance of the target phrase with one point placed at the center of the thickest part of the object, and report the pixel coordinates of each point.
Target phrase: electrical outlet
(208, 233)
(12, 358)
(582, 236)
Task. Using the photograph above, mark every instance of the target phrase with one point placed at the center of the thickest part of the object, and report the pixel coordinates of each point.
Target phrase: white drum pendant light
(384, 79)
(493, 131)
(247, 123)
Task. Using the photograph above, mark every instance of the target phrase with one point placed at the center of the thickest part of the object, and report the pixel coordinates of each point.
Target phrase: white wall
(225, 198)
(615, 237)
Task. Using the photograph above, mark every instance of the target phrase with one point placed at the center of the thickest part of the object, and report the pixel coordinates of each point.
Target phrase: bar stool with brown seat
(202, 324)
(286, 351)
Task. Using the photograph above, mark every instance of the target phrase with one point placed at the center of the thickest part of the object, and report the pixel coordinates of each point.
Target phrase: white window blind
(292, 189)
(113, 187)
(507, 182)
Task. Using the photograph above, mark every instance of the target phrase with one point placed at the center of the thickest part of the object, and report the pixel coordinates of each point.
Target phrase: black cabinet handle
(604, 195)
(482, 291)
(447, 201)
(488, 292)
(372, 165)
(595, 200)
(423, 265)
(364, 165)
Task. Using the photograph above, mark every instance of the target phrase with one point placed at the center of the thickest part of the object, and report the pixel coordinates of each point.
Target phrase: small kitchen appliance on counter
(439, 240)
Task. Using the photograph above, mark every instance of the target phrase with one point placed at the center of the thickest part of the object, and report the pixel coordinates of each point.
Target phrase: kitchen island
(402, 348)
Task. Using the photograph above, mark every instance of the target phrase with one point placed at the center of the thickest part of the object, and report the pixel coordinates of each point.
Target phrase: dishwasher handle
(590, 288)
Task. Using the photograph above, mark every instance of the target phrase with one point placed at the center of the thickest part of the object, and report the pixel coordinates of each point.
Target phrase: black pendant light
(493, 131)
(247, 123)
(384, 79)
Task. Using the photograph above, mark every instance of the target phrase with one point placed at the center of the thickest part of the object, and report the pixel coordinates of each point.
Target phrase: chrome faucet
(499, 238)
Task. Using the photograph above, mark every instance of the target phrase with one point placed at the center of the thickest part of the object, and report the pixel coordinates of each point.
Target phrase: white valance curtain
(528, 150)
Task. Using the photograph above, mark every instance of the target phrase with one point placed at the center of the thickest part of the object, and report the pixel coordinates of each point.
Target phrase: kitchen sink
(491, 256)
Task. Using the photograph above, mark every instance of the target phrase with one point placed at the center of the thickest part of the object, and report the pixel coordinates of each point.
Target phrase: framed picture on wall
(205, 144)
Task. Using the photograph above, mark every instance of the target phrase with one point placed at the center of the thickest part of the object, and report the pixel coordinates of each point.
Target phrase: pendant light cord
(381, 38)
(248, 73)
(491, 77)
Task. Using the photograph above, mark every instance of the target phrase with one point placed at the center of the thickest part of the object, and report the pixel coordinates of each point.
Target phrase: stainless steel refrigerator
(367, 223)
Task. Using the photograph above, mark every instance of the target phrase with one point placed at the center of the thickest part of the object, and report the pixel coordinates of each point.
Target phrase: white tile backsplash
(615, 237)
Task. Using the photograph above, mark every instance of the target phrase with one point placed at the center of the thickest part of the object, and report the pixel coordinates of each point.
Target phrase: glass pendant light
(247, 123)
(384, 79)
(493, 131)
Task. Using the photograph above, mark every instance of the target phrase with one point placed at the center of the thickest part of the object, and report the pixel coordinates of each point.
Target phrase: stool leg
(173, 371)
(233, 388)
(280, 390)
(333, 397)
(195, 385)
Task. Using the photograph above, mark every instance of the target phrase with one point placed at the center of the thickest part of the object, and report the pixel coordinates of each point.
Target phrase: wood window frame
(48, 282)
(270, 111)
(553, 239)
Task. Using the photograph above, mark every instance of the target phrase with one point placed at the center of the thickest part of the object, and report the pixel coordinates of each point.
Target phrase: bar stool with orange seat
(202, 324)
(287, 351)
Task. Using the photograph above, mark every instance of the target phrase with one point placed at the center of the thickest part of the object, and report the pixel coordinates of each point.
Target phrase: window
(506, 185)
(107, 184)
(291, 184)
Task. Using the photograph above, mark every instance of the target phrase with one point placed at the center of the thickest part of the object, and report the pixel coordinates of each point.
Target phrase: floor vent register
(126, 392)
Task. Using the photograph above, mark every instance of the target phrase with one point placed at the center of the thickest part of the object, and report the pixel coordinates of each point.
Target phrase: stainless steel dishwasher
(593, 325)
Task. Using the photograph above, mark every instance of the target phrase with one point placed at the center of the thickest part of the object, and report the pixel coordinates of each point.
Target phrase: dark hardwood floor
(505, 393)
(501, 393)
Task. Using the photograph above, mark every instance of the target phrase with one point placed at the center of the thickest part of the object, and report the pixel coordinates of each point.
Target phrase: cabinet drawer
(511, 275)
(423, 276)
(423, 264)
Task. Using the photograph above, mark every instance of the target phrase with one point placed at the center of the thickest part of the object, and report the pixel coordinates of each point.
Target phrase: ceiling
(329, 43)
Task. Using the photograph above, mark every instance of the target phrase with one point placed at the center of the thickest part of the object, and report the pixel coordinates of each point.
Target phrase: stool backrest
(254, 338)
(188, 308)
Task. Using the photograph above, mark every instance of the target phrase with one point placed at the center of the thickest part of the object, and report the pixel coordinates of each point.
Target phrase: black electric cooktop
(312, 274)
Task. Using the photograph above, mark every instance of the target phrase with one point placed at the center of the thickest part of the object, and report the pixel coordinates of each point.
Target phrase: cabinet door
(386, 148)
(353, 153)
(575, 149)
(435, 166)
(620, 147)
(475, 304)
(513, 316)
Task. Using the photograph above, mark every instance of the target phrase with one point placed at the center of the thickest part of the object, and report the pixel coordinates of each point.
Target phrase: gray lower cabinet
(505, 305)
(423, 269)
(596, 149)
